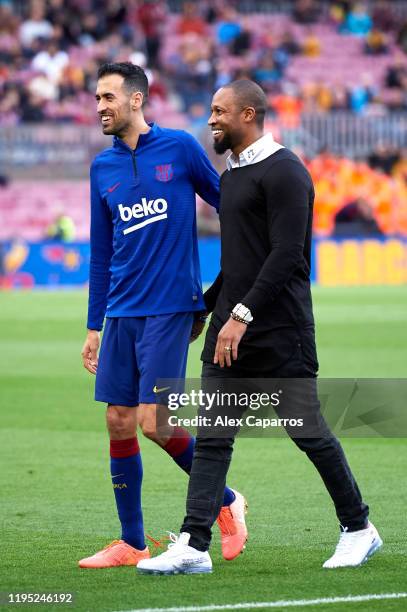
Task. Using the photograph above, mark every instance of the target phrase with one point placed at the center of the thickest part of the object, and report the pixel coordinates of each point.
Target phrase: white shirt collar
(255, 152)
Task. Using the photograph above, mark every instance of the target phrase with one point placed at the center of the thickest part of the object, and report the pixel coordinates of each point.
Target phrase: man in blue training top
(145, 279)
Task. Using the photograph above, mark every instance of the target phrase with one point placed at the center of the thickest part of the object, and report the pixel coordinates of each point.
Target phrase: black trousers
(213, 454)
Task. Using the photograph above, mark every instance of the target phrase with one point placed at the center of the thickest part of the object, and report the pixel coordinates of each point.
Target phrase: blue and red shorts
(136, 352)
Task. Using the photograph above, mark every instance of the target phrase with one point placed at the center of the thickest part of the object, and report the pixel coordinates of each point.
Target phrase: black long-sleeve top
(266, 224)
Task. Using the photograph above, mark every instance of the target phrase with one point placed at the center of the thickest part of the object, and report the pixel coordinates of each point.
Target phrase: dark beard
(118, 130)
(222, 145)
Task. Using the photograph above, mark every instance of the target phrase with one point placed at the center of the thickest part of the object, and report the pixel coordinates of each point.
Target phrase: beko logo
(149, 210)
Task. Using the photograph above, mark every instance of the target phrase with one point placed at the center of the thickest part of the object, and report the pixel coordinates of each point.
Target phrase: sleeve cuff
(94, 326)
(255, 300)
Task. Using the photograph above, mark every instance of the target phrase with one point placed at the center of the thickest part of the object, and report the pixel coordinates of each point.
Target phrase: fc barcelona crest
(164, 173)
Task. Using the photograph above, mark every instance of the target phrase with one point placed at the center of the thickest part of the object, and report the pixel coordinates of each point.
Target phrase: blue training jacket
(144, 249)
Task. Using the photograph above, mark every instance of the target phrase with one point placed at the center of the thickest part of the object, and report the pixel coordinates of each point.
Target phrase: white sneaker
(178, 559)
(354, 547)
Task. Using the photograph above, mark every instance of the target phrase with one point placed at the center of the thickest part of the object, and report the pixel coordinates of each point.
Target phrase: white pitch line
(285, 603)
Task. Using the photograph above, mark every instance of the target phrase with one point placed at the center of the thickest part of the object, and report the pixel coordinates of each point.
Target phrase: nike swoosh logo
(117, 475)
(110, 189)
(156, 390)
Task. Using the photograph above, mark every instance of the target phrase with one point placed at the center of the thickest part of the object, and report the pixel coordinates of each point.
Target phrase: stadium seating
(338, 63)
(30, 207)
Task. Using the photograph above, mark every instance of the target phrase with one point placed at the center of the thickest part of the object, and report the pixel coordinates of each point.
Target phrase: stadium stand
(30, 206)
(326, 63)
(49, 51)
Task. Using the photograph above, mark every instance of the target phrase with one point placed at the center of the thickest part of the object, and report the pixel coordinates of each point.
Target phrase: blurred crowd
(360, 197)
(318, 57)
(50, 51)
(353, 198)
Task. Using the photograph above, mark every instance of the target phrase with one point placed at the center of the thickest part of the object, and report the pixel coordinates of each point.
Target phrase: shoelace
(173, 539)
(111, 544)
(158, 543)
(346, 541)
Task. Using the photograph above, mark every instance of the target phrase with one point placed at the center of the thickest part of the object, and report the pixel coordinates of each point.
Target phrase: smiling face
(115, 105)
(231, 125)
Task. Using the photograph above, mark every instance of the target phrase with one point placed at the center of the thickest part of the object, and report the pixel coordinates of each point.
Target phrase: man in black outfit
(262, 326)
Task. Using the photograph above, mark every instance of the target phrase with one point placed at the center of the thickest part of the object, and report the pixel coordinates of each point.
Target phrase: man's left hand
(228, 341)
(196, 331)
(198, 325)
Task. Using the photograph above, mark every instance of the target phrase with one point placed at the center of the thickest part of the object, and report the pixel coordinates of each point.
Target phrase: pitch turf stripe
(277, 604)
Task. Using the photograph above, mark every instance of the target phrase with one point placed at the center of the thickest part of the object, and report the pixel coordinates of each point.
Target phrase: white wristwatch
(241, 313)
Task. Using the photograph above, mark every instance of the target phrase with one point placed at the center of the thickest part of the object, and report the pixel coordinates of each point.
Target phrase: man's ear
(136, 100)
(249, 114)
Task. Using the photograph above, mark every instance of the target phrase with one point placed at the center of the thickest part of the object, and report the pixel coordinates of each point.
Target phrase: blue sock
(181, 448)
(228, 497)
(127, 475)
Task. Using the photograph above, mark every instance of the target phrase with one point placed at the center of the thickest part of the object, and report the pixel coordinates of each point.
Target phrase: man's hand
(198, 325)
(90, 351)
(196, 330)
(228, 341)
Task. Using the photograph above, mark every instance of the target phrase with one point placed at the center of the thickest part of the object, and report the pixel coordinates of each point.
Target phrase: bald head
(237, 116)
(248, 94)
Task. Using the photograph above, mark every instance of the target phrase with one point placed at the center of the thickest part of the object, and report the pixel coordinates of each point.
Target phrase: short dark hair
(135, 78)
(248, 93)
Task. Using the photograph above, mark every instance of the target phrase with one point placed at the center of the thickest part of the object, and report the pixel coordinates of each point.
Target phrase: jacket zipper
(133, 157)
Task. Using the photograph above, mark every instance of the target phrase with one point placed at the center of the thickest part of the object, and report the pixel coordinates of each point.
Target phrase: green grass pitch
(56, 499)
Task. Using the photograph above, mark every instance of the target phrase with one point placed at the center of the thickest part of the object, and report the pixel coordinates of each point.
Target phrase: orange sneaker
(115, 554)
(232, 525)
